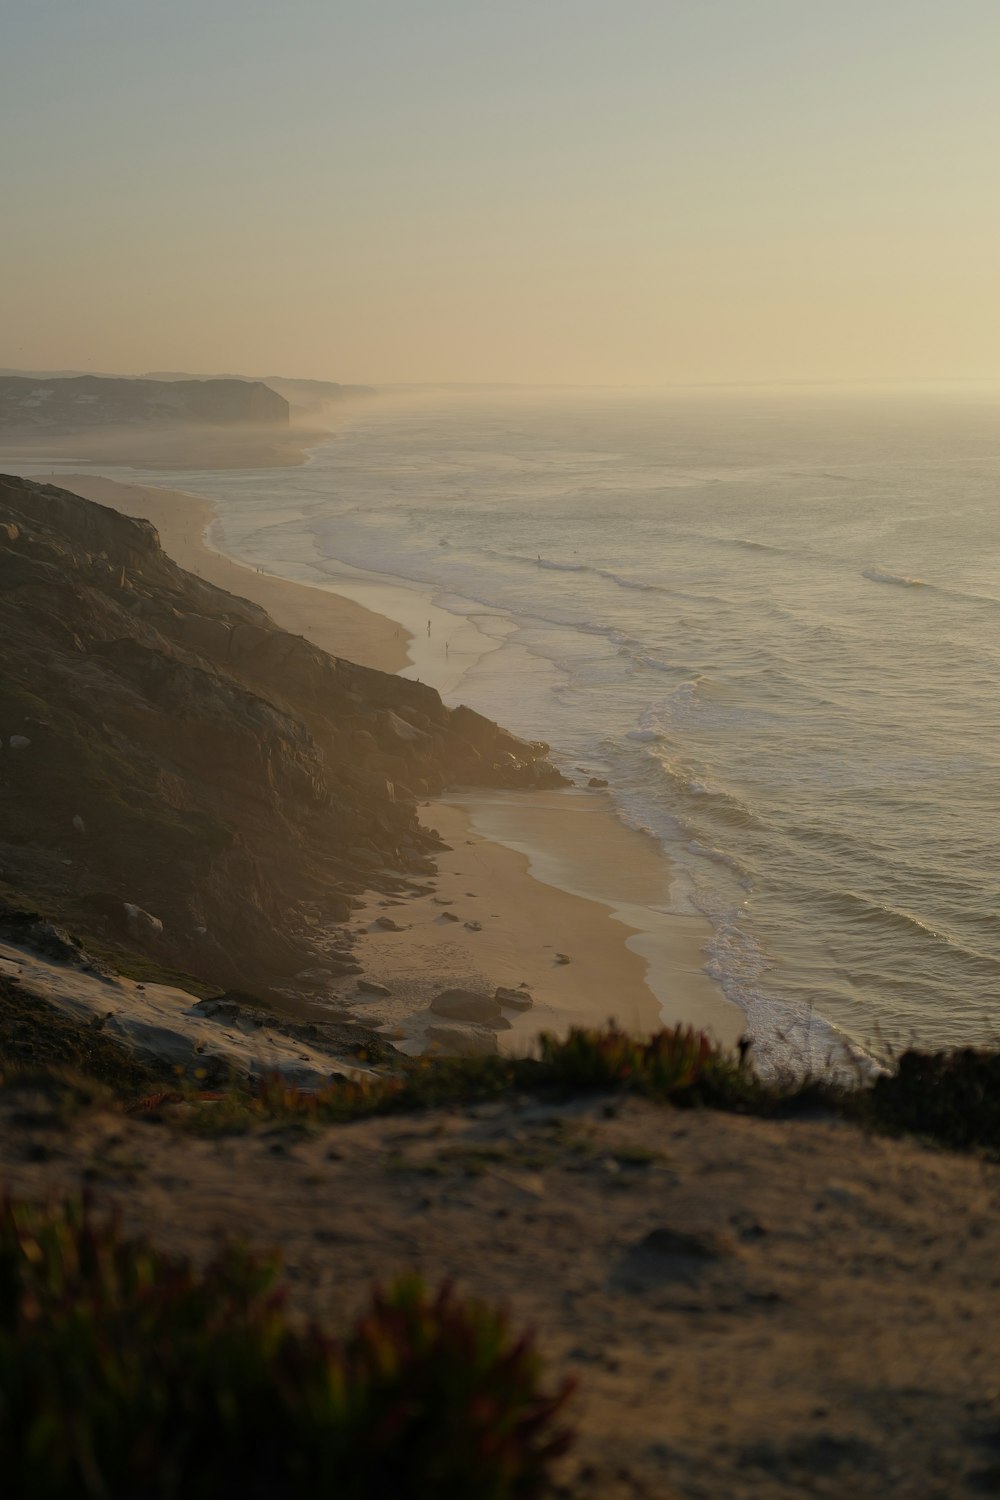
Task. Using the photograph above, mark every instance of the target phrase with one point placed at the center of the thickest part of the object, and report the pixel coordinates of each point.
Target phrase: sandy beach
(520, 868)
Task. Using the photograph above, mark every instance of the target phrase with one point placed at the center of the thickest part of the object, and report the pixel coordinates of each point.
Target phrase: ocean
(770, 619)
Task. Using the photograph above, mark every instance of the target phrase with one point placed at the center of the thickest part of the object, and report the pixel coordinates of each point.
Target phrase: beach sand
(524, 923)
(542, 873)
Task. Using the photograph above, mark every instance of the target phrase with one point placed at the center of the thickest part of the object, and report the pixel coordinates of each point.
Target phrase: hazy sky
(629, 191)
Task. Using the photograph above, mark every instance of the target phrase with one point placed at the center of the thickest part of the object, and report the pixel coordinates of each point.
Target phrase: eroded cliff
(166, 750)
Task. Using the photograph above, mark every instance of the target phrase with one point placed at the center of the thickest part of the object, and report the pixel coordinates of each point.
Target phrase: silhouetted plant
(678, 1065)
(953, 1097)
(666, 1065)
(126, 1373)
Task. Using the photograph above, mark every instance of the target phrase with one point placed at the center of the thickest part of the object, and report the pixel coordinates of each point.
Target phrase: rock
(52, 942)
(466, 1005)
(474, 926)
(142, 924)
(464, 1041)
(517, 999)
(669, 1255)
(680, 1242)
(449, 916)
(441, 900)
(388, 924)
(597, 781)
(79, 825)
(563, 958)
(19, 742)
(323, 976)
(369, 987)
(366, 857)
(407, 732)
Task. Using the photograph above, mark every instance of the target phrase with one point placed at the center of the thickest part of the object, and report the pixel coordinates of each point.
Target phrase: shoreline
(535, 892)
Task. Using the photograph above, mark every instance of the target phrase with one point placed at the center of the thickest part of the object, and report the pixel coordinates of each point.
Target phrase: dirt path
(753, 1309)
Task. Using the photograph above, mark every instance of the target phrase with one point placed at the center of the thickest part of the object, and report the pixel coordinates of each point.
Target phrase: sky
(541, 191)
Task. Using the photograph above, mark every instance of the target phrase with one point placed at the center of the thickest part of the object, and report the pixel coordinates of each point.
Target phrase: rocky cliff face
(180, 776)
(85, 401)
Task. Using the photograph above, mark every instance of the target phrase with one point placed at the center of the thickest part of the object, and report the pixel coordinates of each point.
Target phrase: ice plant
(125, 1372)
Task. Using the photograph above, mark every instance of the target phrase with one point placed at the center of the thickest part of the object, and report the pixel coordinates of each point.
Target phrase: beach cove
(527, 877)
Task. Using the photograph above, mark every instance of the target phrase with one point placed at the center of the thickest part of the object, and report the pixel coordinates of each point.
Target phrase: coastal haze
(564, 192)
(500, 816)
(765, 617)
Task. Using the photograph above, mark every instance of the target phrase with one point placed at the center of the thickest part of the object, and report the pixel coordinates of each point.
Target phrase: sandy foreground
(755, 1310)
(496, 841)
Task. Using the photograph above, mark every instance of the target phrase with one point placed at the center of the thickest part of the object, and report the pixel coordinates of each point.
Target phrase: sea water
(770, 619)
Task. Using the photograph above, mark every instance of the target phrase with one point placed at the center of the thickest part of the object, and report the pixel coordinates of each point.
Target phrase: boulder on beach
(518, 999)
(369, 987)
(463, 1041)
(466, 1005)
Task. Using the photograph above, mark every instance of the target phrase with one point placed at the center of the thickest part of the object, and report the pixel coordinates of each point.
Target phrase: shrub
(953, 1097)
(678, 1065)
(127, 1374)
(673, 1063)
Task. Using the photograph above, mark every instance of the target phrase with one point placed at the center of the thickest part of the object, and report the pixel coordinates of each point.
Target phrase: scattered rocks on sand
(369, 987)
(388, 924)
(518, 999)
(466, 1005)
(463, 1041)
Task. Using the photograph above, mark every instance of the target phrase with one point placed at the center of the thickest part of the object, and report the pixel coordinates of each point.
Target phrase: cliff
(181, 778)
(307, 398)
(86, 401)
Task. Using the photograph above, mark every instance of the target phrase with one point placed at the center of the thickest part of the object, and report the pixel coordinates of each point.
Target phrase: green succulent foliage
(126, 1374)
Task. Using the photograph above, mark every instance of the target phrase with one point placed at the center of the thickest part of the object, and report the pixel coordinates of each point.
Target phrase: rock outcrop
(234, 785)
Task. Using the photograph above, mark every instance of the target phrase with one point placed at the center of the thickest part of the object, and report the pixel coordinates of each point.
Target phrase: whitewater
(768, 618)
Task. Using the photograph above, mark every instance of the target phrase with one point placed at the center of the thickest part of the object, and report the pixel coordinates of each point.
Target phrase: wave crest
(879, 575)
